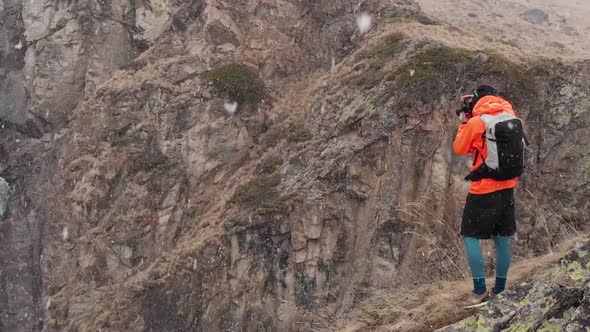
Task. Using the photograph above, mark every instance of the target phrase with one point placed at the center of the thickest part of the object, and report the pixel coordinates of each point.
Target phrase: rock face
(4, 196)
(12, 91)
(145, 205)
(558, 301)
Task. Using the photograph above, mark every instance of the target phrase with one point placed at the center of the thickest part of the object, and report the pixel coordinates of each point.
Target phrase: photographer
(493, 135)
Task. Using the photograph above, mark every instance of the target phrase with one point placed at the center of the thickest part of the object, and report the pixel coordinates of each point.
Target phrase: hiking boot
(474, 300)
(492, 295)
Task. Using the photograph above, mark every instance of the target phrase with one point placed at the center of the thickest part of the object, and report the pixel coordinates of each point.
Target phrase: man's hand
(464, 113)
(464, 117)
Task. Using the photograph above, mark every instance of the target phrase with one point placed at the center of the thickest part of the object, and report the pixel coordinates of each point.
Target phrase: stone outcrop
(536, 16)
(4, 196)
(12, 52)
(557, 301)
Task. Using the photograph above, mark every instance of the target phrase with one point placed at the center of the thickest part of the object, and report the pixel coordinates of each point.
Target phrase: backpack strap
(480, 153)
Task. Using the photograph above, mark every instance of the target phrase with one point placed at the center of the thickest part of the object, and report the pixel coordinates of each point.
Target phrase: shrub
(262, 193)
(270, 163)
(240, 82)
(260, 190)
(298, 133)
(278, 205)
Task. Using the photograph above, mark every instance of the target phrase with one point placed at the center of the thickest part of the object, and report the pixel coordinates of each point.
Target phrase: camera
(466, 107)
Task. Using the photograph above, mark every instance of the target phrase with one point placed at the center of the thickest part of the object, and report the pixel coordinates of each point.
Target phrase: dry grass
(567, 229)
(440, 250)
(439, 247)
(432, 306)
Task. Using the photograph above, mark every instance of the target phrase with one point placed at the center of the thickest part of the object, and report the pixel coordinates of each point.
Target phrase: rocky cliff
(245, 165)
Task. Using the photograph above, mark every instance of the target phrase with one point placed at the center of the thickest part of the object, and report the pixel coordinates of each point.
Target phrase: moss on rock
(519, 327)
(432, 65)
(549, 327)
(520, 80)
(434, 71)
(438, 70)
(238, 81)
(299, 133)
(262, 194)
(549, 303)
(278, 205)
(377, 57)
(384, 50)
(260, 190)
(269, 164)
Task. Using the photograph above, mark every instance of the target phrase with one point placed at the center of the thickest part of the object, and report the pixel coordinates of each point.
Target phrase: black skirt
(489, 215)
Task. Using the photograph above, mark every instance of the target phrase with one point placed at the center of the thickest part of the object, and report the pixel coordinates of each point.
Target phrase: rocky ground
(253, 165)
(533, 28)
(557, 301)
(437, 305)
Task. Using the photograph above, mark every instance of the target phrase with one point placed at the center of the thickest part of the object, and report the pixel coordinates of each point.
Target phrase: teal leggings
(476, 262)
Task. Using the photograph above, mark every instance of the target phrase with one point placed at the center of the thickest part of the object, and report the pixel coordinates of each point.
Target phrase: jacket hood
(491, 105)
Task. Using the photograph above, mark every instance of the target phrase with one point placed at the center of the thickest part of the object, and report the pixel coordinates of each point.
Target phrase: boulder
(536, 16)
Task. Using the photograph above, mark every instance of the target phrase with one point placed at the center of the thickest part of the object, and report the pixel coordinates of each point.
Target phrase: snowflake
(230, 108)
(363, 21)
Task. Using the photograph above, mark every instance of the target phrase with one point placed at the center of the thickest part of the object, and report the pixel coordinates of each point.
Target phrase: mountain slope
(153, 203)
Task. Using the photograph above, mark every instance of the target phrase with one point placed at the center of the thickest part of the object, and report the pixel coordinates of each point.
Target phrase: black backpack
(506, 142)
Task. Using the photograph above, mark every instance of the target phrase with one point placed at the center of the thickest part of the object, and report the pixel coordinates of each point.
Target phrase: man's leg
(476, 264)
(504, 229)
(503, 258)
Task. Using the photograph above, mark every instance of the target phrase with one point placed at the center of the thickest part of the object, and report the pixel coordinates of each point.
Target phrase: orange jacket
(470, 139)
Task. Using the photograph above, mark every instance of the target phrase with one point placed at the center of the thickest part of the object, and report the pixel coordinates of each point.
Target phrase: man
(489, 209)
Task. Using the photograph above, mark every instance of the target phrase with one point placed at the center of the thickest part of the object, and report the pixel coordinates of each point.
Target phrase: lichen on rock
(552, 302)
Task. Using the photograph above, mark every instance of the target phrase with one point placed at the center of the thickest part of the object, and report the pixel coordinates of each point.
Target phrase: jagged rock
(313, 228)
(12, 89)
(152, 18)
(220, 29)
(536, 16)
(46, 138)
(557, 301)
(4, 196)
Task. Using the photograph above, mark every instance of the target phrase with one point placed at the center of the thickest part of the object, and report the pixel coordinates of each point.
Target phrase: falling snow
(82, 293)
(363, 22)
(230, 108)
(65, 234)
